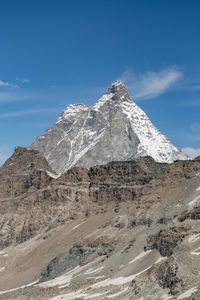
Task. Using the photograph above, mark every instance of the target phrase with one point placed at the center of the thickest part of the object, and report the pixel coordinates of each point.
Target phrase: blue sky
(56, 52)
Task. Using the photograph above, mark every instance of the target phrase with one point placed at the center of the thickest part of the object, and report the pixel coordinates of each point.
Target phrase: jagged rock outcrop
(166, 240)
(114, 129)
(167, 276)
(75, 256)
(23, 159)
(24, 170)
(193, 214)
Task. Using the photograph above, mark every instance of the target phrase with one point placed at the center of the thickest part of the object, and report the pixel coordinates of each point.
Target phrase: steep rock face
(114, 129)
(23, 159)
(25, 169)
(23, 184)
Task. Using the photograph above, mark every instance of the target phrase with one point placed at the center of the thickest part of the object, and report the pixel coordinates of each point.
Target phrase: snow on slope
(152, 141)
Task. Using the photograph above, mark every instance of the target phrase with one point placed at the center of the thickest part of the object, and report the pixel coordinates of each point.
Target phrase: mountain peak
(119, 91)
(114, 129)
(117, 83)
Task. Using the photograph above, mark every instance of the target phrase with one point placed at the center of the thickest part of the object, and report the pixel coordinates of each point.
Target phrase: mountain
(119, 230)
(114, 129)
(123, 230)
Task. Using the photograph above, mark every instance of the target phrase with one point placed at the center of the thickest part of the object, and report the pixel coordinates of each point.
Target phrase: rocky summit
(114, 129)
(123, 230)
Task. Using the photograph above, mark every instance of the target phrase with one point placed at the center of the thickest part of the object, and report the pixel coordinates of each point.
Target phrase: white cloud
(4, 84)
(191, 152)
(151, 84)
(18, 95)
(28, 112)
(194, 87)
(23, 80)
(192, 103)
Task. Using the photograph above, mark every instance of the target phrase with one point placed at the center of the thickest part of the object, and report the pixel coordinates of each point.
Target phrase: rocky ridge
(123, 230)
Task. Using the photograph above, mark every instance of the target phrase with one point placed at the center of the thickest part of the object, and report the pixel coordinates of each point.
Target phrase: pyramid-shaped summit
(114, 129)
(119, 91)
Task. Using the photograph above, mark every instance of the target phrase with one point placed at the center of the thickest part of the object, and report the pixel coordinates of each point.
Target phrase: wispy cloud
(4, 84)
(29, 112)
(192, 152)
(151, 84)
(16, 95)
(195, 87)
(195, 103)
(23, 80)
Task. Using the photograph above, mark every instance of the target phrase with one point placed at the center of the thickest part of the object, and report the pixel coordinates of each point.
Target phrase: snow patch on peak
(75, 108)
(71, 111)
(152, 141)
(103, 100)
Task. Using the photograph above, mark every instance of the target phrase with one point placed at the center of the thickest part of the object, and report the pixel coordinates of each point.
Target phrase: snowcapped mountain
(114, 129)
